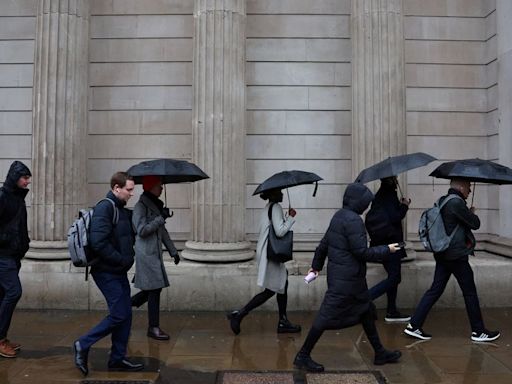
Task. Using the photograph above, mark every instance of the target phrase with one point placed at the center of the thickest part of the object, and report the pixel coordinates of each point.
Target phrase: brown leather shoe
(6, 350)
(157, 334)
(14, 346)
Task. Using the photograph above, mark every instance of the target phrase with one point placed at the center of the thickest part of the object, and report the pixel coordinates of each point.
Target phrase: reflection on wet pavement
(202, 344)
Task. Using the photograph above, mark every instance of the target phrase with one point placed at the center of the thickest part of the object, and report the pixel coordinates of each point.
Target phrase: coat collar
(148, 202)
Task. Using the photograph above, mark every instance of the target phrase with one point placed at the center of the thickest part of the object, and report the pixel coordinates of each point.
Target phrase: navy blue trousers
(389, 285)
(116, 290)
(464, 275)
(10, 291)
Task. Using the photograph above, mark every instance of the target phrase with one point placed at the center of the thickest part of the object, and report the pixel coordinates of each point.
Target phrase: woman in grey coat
(272, 276)
(149, 215)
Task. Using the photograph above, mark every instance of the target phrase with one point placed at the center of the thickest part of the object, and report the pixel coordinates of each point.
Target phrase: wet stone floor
(203, 350)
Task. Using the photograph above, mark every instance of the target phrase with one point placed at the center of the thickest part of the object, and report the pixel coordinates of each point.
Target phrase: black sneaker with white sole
(485, 335)
(416, 332)
(396, 317)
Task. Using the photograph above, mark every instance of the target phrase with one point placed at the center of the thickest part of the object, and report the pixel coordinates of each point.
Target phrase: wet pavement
(202, 345)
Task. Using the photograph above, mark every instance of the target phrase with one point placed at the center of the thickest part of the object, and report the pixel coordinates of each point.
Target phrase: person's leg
(394, 270)
(121, 313)
(11, 292)
(382, 355)
(303, 358)
(284, 325)
(441, 277)
(154, 307)
(139, 299)
(464, 275)
(235, 317)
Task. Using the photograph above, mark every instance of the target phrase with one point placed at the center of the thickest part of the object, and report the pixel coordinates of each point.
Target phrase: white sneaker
(416, 332)
(485, 335)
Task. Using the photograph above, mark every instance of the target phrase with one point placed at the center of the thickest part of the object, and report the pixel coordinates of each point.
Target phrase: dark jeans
(116, 290)
(10, 291)
(464, 275)
(389, 285)
(152, 297)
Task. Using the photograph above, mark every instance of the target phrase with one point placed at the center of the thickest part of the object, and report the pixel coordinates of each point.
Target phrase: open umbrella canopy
(287, 179)
(392, 166)
(477, 170)
(170, 170)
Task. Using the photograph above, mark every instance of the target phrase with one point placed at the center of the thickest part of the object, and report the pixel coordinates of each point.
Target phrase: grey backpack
(78, 236)
(432, 232)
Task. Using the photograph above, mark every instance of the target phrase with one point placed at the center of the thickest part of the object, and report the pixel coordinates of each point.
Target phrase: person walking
(454, 260)
(112, 245)
(347, 301)
(272, 276)
(149, 215)
(384, 225)
(14, 243)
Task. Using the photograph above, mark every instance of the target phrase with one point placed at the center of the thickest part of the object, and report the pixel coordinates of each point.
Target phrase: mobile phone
(401, 244)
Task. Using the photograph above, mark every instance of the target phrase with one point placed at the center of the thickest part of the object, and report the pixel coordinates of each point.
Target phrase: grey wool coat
(151, 233)
(272, 275)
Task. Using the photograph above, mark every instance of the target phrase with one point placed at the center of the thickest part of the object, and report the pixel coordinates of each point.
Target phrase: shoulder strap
(270, 211)
(447, 199)
(115, 218)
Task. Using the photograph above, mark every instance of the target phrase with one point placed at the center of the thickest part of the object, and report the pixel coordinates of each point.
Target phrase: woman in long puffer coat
(272, 276)
(149, 217)
(347, 301)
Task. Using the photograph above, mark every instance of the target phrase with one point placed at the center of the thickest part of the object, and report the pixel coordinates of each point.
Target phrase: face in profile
(126, 192)
(23, 182)
(157, 189)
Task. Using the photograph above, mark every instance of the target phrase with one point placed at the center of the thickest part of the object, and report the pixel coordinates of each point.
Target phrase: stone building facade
(246, 88)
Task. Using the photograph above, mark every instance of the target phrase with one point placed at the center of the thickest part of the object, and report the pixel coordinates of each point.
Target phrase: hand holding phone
(401, 244)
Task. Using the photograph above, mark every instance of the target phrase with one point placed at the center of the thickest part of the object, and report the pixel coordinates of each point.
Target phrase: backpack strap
(445, 201)
(115, 217)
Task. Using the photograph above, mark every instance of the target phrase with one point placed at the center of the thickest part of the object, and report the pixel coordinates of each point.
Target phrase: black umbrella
(476, 170)
(170, 170)
(392, 166)
(287, 179)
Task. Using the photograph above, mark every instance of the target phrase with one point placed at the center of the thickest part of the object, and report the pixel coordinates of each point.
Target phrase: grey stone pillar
(218, 204)
(59, 123)
(378, 85)
(504, 31)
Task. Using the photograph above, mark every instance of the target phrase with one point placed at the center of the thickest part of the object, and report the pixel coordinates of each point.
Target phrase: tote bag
(279, 249)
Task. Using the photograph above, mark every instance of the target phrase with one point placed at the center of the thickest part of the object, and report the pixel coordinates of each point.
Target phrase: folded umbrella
(288, 179)
(393, 166)
(170, 170)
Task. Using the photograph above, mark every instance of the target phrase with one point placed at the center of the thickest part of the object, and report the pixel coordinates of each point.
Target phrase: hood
(357, 198)
(16, 170)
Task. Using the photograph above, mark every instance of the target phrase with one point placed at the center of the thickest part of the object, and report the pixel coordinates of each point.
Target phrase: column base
(48, 250)
(217, 252)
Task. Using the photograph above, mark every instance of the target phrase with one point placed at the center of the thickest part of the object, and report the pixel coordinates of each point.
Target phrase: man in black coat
(112, 242)
(14, 243)
(384, 224)
(454, 260)
(347, 301)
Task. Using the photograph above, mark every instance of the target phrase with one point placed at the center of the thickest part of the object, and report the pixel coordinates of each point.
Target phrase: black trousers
(152, 297)
(260, 298)
(464, 275)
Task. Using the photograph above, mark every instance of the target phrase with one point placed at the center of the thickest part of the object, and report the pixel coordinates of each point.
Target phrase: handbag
(279, 249)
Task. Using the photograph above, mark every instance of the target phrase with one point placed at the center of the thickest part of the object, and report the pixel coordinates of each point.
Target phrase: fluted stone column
(59, 123)
(218, 204)
(378, 85)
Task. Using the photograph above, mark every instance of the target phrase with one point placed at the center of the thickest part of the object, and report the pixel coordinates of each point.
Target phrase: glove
(176, 258)
(166, 214)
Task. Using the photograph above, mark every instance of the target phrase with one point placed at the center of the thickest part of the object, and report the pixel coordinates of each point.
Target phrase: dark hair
(270, 193)
(119, 178)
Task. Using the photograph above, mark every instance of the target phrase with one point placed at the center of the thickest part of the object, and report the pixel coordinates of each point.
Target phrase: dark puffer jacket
(384, 219)
(112, 244)
(14, 240)
(345, 245)
(463, 243)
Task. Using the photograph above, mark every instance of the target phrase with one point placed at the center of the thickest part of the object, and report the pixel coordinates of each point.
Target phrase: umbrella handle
(400, 189)
(316, 188)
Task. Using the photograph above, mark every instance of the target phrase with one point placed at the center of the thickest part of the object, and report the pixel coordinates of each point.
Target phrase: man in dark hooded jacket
(384, 224)
(455, 261)
(14, 243)
(347, 301)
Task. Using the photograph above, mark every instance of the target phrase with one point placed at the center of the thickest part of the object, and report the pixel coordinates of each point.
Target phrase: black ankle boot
(304, 361)
(284, 326)
(385, 356)
(235, 318)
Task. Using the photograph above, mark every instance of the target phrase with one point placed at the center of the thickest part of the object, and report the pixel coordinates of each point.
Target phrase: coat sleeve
(143, 225)
(320, 255)
(169, 244)
(101, 233)
(280, 224)
(358, 243)
(464, 215)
